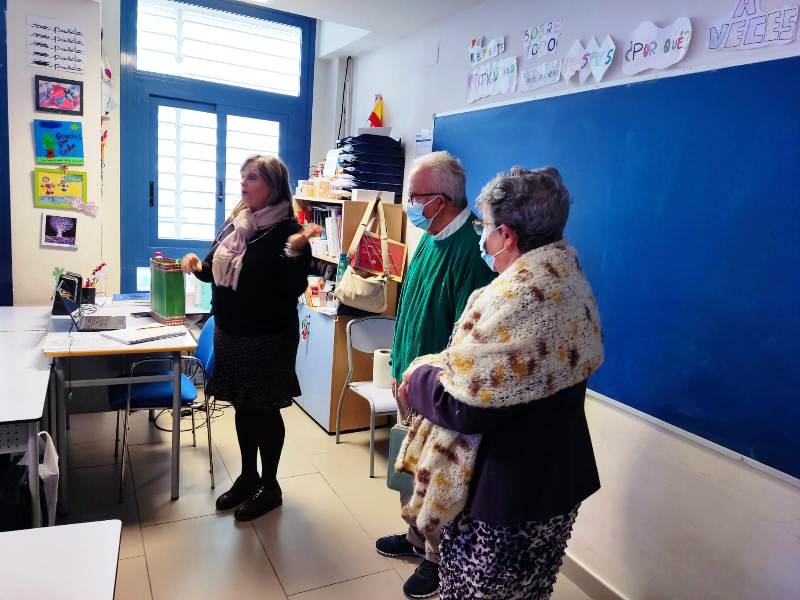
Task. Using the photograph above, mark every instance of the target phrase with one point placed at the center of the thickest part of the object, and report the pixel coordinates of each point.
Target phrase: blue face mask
(414, 212)
(488, 258)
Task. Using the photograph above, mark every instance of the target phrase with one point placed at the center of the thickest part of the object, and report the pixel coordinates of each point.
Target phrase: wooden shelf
(326, 258)
(323, 200)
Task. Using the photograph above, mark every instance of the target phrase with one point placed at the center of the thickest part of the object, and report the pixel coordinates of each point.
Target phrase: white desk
(24, 318)
(25, 376)
(69, 562)
(61, 345)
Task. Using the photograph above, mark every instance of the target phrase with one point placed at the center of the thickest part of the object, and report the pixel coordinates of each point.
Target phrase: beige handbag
(356, 288)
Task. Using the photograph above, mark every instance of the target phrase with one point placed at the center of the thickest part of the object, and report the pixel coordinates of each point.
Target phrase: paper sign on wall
(499, 77)
(652, 47)
(58, 142)
(573, 61)
(750, 27)
(56, 45)
(479, 53)
(593, 60)
(540, 76)
(424, 142)
(542, 39)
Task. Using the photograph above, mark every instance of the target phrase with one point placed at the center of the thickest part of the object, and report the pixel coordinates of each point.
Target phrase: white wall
(111, 184)
(673, 519)
(32, 264)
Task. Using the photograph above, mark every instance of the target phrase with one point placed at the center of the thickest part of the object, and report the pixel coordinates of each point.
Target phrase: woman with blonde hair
(257, 267)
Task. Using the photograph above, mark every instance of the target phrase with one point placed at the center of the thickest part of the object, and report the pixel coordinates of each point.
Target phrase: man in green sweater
(446, 268)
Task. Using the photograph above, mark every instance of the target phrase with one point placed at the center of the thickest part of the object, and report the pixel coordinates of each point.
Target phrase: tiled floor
(318, 546)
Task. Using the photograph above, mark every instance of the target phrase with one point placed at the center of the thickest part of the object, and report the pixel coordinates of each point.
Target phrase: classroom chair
(367, 335)
(145, 396)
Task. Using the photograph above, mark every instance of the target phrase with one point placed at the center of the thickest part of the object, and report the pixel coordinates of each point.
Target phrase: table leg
(176, 423)
(52, 403)
(61, 437)
(33, 472)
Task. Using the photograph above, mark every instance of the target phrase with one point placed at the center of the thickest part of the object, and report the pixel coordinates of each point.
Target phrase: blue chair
(158, 394)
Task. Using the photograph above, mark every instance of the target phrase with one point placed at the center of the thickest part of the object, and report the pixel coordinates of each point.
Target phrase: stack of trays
(373, 162)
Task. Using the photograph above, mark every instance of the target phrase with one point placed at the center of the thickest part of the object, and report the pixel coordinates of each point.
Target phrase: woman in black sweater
(257, 267)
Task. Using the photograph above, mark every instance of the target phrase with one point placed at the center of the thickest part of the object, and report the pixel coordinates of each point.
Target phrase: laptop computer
(91, 322)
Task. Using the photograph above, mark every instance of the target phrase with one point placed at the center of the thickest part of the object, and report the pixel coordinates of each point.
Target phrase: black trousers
(262, 432)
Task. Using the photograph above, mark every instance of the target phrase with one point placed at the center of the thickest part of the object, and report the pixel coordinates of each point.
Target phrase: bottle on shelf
(344, 262)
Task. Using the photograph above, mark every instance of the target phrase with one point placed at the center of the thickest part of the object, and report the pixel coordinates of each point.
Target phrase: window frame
(139, 87)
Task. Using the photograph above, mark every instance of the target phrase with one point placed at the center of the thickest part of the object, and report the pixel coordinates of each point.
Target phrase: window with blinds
(187, 163)
(245, 137)
(210, 45)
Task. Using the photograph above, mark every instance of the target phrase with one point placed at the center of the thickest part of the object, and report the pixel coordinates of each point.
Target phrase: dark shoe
(264, 500)
(424, 582)
(397, 545)
(242, 489)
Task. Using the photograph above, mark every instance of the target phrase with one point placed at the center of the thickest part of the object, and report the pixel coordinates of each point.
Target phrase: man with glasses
(446, 268)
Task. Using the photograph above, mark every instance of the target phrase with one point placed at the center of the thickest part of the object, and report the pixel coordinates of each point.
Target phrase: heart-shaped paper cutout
(599, 64)
(573, 60)
(592, 48)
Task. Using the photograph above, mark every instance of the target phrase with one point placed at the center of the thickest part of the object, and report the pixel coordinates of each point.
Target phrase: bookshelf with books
(322, 355)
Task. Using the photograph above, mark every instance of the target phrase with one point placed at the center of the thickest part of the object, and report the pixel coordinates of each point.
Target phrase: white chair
(367, 335)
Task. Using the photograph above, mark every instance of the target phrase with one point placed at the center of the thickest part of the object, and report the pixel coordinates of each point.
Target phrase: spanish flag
(376, 116)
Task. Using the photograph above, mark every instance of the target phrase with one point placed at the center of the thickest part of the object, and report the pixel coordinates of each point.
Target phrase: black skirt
(256, 374)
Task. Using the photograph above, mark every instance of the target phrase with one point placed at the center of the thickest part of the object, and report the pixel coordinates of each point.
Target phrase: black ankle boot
(242, 489)
(260, 503)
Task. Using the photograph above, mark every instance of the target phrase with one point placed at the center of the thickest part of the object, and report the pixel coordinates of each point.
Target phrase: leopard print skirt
(519, 562)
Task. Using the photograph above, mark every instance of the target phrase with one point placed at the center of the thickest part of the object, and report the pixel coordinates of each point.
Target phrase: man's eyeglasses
(415, 198)
(480, 226)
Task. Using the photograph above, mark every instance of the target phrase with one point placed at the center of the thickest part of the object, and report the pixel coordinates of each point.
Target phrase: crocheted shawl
(532, 332)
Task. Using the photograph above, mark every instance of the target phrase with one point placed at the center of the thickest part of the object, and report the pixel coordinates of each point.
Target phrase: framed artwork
(59, 231)
(58, 142)
(60, 96)
(62, 189)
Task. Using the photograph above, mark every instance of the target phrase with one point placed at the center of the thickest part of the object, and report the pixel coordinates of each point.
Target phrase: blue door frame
(140, 90)
(6, 290)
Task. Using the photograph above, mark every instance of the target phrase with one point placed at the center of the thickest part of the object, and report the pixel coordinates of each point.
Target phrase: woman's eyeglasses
(480, 226)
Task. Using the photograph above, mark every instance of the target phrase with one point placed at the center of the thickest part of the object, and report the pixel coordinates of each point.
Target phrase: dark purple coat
(535, 461)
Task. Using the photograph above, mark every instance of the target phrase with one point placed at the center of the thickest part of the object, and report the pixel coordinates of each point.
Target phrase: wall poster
(652, 47)
(748, 27)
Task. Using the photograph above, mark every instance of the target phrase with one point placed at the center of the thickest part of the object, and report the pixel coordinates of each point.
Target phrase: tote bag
(360, 290)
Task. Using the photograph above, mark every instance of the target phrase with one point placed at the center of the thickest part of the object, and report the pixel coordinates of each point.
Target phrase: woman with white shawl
(499, 447)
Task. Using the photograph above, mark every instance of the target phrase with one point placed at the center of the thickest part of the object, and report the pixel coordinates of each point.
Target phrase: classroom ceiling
(383, 20)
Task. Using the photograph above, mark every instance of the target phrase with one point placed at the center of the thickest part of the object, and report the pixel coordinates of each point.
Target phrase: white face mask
(488, 258)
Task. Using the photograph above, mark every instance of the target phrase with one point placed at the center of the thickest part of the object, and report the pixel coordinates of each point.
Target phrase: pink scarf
(228, 256)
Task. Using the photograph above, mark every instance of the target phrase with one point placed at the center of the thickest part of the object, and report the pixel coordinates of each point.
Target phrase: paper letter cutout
(748, 26)
(586, 61)
(490, 79)
(652, 47)
(607, 52)
(572, 61)
(540, 76)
